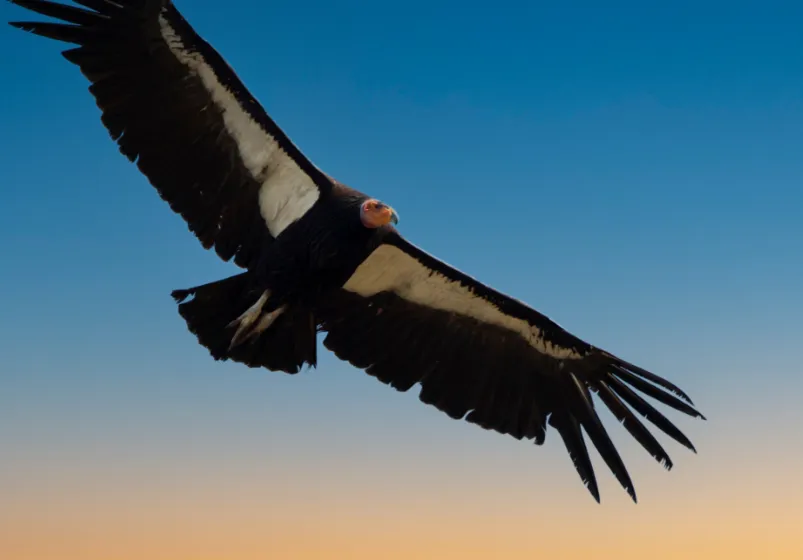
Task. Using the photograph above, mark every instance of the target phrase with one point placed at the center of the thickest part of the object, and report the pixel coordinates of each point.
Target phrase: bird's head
(375, 214)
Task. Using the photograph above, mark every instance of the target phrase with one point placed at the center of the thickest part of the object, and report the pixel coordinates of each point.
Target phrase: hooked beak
(388, 215)
(394, 217)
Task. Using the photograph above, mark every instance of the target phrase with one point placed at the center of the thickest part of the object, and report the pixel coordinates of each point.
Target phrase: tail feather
(228, 319)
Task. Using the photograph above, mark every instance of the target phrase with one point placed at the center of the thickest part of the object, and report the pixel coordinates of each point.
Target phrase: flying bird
(319, 256)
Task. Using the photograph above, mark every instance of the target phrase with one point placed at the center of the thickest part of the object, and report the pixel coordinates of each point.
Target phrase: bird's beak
(388, 215)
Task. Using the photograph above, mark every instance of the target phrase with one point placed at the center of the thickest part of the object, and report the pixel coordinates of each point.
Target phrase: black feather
(60, 32)
(599, 436)
(69, 14)
(649, 412)
(632, 424)
(569, 429)
(656, 393)
(668, 385)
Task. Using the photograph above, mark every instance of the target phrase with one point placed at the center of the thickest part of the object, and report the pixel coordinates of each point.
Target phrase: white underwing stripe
(389, 268)
(286, 192)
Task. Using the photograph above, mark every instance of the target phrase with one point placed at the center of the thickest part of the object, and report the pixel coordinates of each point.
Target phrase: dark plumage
(319, 256)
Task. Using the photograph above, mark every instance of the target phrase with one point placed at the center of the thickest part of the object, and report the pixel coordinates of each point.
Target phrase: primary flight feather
(322, 257)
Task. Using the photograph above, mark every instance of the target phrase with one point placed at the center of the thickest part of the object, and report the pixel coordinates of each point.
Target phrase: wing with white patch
(406, 318)
(178, 110)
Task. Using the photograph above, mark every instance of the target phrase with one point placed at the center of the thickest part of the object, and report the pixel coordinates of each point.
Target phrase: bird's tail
(229, 318)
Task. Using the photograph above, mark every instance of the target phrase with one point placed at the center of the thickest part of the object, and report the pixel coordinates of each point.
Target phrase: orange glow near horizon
(273, 517)
(214, 534)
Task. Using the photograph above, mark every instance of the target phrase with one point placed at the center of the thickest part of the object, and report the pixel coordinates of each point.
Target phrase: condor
(319, 256)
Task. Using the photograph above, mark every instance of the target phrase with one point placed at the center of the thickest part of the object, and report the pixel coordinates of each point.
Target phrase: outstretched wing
(178, 110)
(406, 318)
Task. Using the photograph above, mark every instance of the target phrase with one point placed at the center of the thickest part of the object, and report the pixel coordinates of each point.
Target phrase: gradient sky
(632, 169)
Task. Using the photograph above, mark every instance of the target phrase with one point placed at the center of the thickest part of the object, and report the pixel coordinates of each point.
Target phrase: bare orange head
(375, 214)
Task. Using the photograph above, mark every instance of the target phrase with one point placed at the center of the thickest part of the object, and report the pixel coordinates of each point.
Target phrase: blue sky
(632, 170)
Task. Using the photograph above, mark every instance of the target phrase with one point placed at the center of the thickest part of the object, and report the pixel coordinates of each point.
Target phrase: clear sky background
(632, 169)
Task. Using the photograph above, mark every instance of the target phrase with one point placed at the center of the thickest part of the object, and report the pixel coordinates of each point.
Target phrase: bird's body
(321, 250)
(319, 256)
